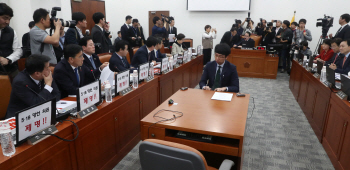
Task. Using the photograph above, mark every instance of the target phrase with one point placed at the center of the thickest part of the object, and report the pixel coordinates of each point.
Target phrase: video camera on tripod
(326, 23)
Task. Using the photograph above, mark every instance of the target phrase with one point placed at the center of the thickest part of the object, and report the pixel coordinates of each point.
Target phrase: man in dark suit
(230, 37)
(36, 78)
(246, 37)
(118, 38)
(286, 40)
(172, 30)
(145, 53)
(277, 30)
(74, 34)
(91, 60)
(268, 35)
(125, 27)
(222, 75)
(70, 73)
(25, 37)
(98, 33)
(342, 65)
(134, 35)
(141, 33)
(59, 50)
(157, 54)
(344, 30)
(118, 61)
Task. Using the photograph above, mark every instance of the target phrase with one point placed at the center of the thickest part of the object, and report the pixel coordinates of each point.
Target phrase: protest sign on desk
(89, 95)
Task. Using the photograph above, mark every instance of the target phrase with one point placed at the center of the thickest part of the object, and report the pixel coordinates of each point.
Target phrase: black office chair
(160, 155)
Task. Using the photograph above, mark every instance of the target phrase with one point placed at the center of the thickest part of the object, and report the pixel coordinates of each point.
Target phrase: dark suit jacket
(124, 31)
(116, 64)
(98, 36)
(141, 33)
(287, 34)
(174, 31)
(228, 78)
(141, 56)
(88, 64)
(66, 80)
(267, 38)
(131, 33)
(59, 52)
(336, 59)
(227, 39)
(344, 33)
(343, 69)
(159, 56)
(278, 33)
(25, 40)
(72, 36)
(117, 39)
(22, 97)
(242, 40)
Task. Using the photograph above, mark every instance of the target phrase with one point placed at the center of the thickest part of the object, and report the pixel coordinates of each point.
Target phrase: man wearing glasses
(220, 75)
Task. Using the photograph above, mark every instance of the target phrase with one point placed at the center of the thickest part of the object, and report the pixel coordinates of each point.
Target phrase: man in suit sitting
(91, 60)
(344, 30)
(134, 36)
(118, 62)
(335, 45)
(245, 38)
(124, 29)
(157, 54)
(222, 75)
(343, 64)
(98, 33)
(36, 78)
(70, 73)
(74, 34)
(145, 53)
(230, 37)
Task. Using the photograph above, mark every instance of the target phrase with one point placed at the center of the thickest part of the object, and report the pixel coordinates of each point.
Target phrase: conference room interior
(284, 115)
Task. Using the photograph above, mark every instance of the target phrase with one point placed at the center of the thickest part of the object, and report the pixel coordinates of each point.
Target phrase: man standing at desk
(222, 75)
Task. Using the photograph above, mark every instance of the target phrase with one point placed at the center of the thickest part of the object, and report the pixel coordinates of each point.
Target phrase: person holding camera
(304, 49)
(249, 26)
(230, 37)
(327, 52)
(207, 43)
(286, 39)
(74, 34)
(10, 50)
(344, 30)
(98, 33)
(261, 27)
(134, 35)
(268, 35)
(301, 34)
(40, 41)
(158, 28)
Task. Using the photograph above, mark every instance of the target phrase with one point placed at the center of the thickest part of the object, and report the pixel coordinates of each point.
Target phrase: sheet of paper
(171, 37)
(107, 74)
(337, 76)
(222, 96)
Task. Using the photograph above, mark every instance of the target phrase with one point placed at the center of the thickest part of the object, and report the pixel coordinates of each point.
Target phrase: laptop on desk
(248, 44)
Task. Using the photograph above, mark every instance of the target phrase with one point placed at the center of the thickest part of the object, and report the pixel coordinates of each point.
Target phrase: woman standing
(177, 46)
(207, 43)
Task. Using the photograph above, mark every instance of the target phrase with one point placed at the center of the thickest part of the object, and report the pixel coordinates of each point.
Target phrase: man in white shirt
(10, 50)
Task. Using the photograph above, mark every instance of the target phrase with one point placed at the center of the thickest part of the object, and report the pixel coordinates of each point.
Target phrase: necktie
(123, 62)
(92, 63)
(338, 31)
(343, 61)
(39, 84)
(335, 58)
(77, 75)
(149, 56)
(217, 79)
(171, 30)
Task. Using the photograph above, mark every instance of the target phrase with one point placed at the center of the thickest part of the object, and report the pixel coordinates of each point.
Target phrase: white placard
(171, 37)
(164, 64)
(185, 56)
(107, 74)
(143, 71)
(122, 81)
(89, 95)
(218, 5)
(34, 120)
(175, 59)
(199, 50)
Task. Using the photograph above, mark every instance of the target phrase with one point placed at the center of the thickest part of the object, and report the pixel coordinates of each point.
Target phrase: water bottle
(305, 61)
(171, 64)
(7, 145)
(108, 92)
(151, 69)
(135, 78)
(323, 77)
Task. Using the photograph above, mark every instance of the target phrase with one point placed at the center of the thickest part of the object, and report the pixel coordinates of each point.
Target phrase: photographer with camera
(286, 39)
(304, 49)
(261, 27)
(98, 33)
(249, 26)
(40, 41)
(134, 36)
(207, 43)
(10, 50)
(158, 28)
(268, 35)
(74, 34)
(344, 30)
(301, 34)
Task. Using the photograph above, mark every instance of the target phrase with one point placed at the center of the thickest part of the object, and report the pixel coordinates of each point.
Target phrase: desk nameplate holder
(125, 91)
(36, 138)
(308, 69)
(327, 84)
(149, 78)
(87, 111)
(176, 65)
(316, 75)
(165, 71)
(193, 57)
(342, 95)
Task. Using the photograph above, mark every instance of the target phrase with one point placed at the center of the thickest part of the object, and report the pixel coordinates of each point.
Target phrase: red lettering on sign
(29, 127)
(86, 100)
(37, 123)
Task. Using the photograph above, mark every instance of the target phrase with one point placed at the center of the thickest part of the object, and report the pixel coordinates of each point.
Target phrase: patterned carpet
(278, 135)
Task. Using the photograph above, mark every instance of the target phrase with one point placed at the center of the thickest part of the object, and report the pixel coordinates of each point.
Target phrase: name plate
(316, 75)
(184, 58)
(342, 95)
(87, 111)
(165, 72)
(175, 57)
(122, 81)
(176, 66)
(125, 91)
(327, 84)
(36, 138)
(149, 78)
(193, 57)
(143, 71)
(89, 95)
(164, 64)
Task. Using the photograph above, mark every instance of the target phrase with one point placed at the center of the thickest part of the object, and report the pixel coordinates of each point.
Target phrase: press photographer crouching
(268, 35)
(304, 49)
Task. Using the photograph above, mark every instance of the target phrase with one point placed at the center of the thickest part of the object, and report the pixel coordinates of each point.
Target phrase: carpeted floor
(278, 135)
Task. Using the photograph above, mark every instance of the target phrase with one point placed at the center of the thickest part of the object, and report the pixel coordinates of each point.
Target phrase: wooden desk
(105, 136)
(224, 120)
(328, 115)
(254, 63)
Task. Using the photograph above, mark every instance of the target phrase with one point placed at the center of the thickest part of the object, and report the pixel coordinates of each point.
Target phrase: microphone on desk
(92, 71)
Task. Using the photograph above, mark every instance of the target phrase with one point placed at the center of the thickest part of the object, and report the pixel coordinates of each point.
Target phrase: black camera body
(53, 18)
(164, 20)
(326, 23)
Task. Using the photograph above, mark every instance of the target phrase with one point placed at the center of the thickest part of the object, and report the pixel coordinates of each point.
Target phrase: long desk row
(327, 114)
(108, 134)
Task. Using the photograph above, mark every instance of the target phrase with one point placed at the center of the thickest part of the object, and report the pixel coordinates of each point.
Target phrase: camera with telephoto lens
(248, 19)
(53, 18)
(164, 20)
(326, 23)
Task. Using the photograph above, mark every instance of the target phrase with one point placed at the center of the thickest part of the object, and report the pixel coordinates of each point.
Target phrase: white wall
(191, 23)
